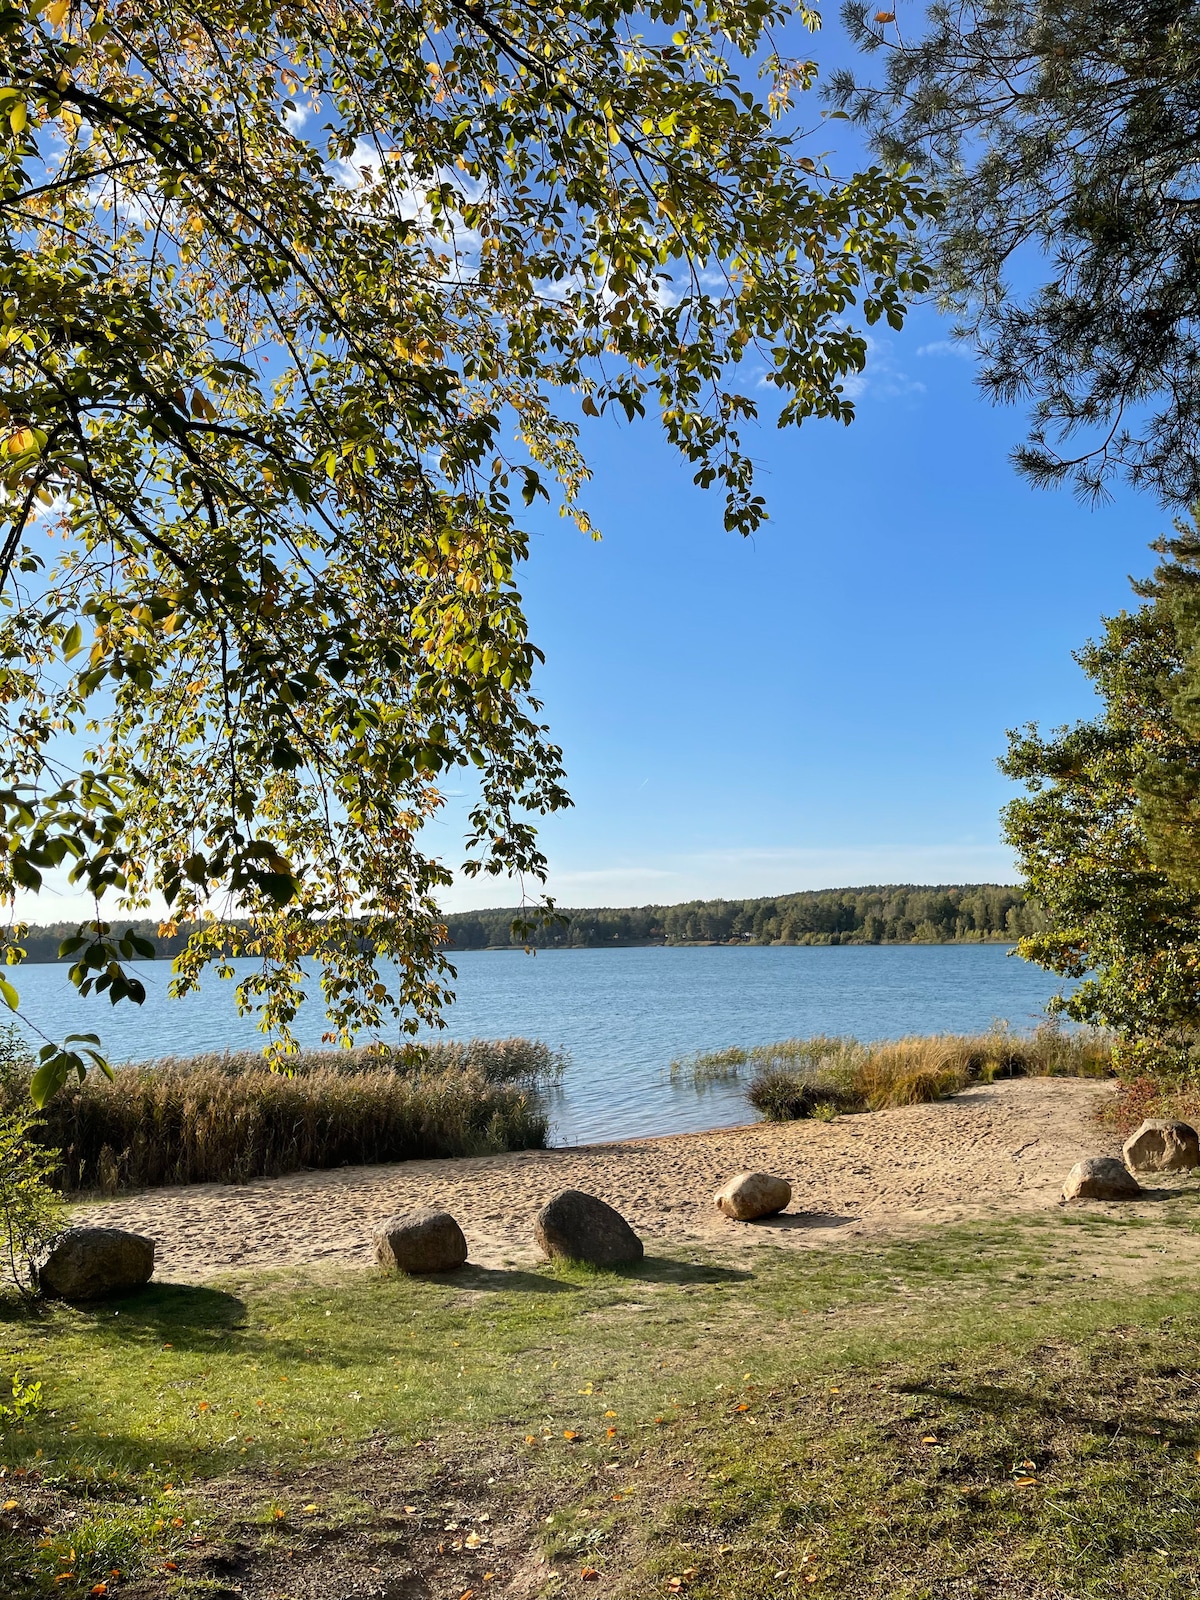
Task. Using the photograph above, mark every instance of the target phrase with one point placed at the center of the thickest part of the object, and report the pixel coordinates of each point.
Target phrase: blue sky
(824, 704)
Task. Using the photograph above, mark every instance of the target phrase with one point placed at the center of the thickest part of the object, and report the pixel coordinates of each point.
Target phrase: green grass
(844, 1421)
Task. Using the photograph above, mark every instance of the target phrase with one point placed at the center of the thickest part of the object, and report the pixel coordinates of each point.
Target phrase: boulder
(1100, 1178)
(582, 1227)
(421, 1241)
(1162, 1147)
(90, 1263)
(753, 1194)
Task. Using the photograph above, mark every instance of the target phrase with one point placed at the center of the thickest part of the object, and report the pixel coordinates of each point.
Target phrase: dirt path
(998, 1149)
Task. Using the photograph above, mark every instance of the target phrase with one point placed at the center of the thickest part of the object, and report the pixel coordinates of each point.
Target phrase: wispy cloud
(747, 872)
(883, 378)
(958, 348)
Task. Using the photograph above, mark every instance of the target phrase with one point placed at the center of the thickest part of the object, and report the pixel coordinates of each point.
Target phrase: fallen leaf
(472, 1541)
(590, 1574)
(835, 1391)
(742, 1407)
(488, 1576)
(569, 1433)
(610, 1413)
(410, 1511)
(15, 1505)
(612, 1433)
(530, 1438)
(64, 1577)
(930, 1438)
(309, 1510)
(1024, 1483)
(466, 1594)
(98, 1588)
(170, 1566)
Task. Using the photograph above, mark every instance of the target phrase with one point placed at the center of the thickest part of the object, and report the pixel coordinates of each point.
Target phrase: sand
(994, 1150)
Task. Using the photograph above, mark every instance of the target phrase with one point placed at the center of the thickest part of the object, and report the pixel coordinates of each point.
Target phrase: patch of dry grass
(823, 1076)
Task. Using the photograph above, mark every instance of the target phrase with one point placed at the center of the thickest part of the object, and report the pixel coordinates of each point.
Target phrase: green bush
(30, 1206)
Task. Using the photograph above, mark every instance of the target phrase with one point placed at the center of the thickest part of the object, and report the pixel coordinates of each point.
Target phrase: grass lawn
(1009, 1409)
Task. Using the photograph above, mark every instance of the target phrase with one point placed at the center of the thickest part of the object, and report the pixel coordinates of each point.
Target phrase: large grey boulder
(753, 1194)
(581, 1227)
(1100, 1178)
(421, 1241)
(1162, 1147)
(90, 1263)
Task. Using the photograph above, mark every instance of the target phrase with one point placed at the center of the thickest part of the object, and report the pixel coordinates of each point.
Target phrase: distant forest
(905, 913)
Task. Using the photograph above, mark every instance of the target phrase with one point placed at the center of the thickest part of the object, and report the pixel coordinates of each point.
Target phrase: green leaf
(9, 995)
(48, 1080)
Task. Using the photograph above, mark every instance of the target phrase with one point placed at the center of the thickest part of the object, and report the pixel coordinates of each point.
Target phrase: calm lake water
(622, 1014)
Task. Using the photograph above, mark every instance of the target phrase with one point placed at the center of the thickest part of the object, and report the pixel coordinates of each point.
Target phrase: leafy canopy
(300, 302)
(1107, 832)
(1063, 136)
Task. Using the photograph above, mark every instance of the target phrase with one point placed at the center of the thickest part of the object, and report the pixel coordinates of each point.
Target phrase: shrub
(30, 1207)
(783, 1096)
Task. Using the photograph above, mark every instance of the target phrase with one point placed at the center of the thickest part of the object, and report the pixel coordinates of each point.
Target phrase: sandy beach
(994, 1150)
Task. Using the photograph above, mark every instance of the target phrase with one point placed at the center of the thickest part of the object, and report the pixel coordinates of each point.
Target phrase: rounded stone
(421, 1241)
(90, 1263)
(1100, 1178)
(582, 1227)
(1162, 1146)
(753, 1194)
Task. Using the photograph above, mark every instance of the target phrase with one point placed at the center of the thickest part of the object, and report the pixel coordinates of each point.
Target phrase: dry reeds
(822, 1077)
(228, 1118)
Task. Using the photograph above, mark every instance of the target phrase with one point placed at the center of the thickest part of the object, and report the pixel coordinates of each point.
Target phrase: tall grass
(526, 1061)
(825, 1076)
(227, 1118)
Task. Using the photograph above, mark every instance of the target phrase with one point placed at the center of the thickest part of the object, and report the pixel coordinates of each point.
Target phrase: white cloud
(947, 347)
(883, 378)
(747, 873)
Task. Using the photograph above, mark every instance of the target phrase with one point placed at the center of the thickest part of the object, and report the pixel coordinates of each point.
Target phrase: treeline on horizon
(956, 913)
(975, 913)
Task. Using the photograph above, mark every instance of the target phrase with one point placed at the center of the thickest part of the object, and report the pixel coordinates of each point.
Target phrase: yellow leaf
(1025, 1483)
(613, 1414)
(18, 117)
(57, 13)
(569, 1433)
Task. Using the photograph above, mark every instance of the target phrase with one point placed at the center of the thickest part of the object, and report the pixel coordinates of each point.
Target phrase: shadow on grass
(187, 1316)
(494, 1279)
(662, 1269)
(998, 1401)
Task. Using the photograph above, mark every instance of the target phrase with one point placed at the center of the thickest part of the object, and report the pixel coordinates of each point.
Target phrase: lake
(622, 1014)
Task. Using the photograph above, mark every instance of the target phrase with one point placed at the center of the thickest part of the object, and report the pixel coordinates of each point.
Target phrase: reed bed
(525, 1061)
(825, 1076)
(228, 1118)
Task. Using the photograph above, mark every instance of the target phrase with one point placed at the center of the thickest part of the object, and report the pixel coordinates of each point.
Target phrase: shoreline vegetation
(227, 1118)
(973, 913)
(825, 1076)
